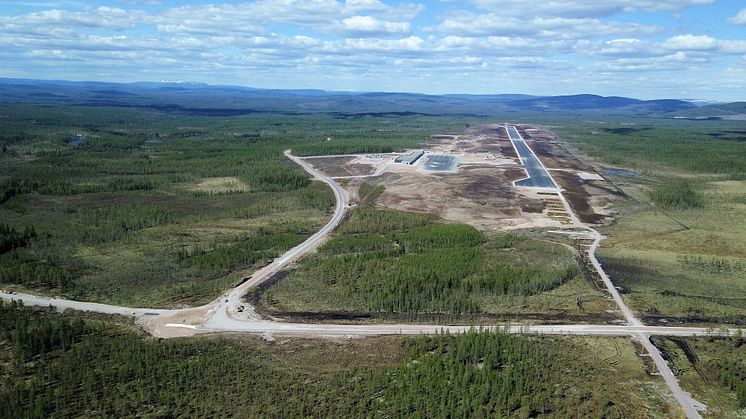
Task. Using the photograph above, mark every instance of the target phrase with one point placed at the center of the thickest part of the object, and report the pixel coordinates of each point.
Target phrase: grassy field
(713, 370)
(678, 249)
(696, 273)
(384, 262)
(101, 370)
(660, 145)
(142, 207)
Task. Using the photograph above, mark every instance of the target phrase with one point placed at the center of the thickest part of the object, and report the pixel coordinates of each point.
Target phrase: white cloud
(739, 19)
(623, 47)
(102, 17)
(691, 42)
(321, 15)
(502, 45)
(467, 23)
(675, 61)
(406, 46)
(582, 8)
(705, 43)
(368, 25)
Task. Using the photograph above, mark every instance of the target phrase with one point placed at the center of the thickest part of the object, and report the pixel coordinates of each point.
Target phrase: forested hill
(209, 100)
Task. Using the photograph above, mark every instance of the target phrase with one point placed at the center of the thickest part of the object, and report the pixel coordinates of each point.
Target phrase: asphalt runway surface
(537, 174)
(440, 163)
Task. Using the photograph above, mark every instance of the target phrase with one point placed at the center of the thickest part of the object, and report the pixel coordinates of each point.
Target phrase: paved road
(327, 329)
(358, 330)
(439, 163)
(538, 177)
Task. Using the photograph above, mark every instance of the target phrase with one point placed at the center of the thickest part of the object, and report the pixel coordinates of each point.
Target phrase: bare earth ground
(481, 192)
(344, 165)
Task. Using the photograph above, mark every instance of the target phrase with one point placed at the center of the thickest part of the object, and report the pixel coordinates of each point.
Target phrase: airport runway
(537, 173)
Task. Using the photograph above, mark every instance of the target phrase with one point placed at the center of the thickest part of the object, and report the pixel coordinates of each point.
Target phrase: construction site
(480, 177)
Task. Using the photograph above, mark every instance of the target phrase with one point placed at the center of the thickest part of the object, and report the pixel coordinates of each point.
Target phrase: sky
(685, 49)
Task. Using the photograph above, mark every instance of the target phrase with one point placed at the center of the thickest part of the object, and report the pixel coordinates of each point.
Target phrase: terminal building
(410, 158)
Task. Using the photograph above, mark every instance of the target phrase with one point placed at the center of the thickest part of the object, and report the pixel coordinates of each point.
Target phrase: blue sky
(640, 48)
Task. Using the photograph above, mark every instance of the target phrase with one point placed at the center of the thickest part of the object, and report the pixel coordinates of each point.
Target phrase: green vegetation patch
(399, 262)
(369, 193)
(54, 366)
(699, 147)
(679, 262)
(370, 220)
(680, 194)
(264, 245)
(712, 369)
(684, 265)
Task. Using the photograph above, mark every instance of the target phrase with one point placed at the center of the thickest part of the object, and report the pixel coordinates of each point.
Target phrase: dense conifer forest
(399, 262)
(59, 366)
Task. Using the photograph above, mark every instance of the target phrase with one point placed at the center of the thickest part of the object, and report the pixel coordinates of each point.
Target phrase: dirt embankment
(487, 139)
(578, 197)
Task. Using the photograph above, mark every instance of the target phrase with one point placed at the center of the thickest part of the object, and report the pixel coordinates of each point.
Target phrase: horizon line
(184, 82)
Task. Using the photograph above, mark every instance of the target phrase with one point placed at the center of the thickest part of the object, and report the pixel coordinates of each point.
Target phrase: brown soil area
(340, 166)
(578, 197)
(601, 188)
(690, 321)
(514, 174)
(495, 140)
(481, 196)
(481, 192)
(437, 137)
(444, 319)
(482, 184)
(507, 149)
(496, 130)
(483, 139)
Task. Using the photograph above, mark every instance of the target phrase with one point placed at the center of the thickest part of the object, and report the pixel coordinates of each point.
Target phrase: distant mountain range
(204, 99)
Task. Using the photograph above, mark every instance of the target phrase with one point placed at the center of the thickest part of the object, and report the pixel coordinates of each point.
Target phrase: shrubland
(677, 246)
